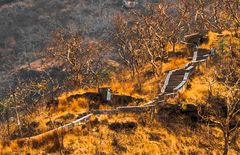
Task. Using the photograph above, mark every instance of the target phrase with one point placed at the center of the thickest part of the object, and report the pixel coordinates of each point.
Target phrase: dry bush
(123, 126)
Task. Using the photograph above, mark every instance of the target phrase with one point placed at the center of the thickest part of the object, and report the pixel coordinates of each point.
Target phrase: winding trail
(175, 81)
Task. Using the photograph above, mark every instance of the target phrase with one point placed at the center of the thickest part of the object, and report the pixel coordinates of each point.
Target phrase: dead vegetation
(186, 124)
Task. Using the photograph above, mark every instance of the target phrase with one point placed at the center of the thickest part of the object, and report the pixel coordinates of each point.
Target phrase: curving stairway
(175, 81)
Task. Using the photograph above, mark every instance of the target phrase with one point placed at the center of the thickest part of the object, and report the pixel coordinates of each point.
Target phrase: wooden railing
(176, 79)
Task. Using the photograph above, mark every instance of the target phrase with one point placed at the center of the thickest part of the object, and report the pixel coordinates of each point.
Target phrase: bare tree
(223, 111)
(98, 73)
(21, 101)
(218, 15)
(154, 38)
(223, 100)
(142, 38)
(125, 42)
(72, 50)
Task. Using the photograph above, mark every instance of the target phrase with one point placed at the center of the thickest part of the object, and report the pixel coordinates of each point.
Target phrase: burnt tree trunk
(226, 134)
(226, 144)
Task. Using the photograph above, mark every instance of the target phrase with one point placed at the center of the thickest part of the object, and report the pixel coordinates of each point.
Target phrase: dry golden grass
(178, 47)
(172, 138)
(123, 85)
(175, 136)
(175, 63)
(212, 40)
(197, 91)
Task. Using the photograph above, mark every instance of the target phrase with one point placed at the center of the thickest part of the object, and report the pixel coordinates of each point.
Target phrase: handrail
(188, 68)
(166, 81)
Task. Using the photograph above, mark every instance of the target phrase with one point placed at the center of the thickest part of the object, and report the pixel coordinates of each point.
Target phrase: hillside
(170, 132)
(28, 26)
(104, 77)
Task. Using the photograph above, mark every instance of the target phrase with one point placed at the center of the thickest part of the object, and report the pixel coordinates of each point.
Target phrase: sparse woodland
(54, 69)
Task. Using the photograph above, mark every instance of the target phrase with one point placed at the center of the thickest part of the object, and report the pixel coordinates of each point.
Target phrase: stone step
(169, 91)
(176, 79)
(201, 58)
(174, 83)
(179, 72)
